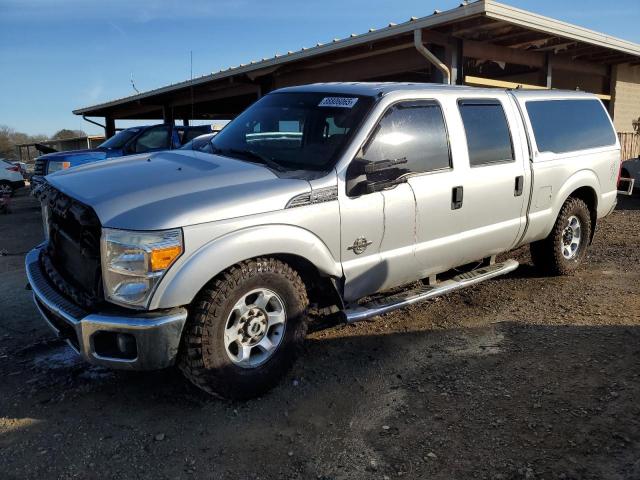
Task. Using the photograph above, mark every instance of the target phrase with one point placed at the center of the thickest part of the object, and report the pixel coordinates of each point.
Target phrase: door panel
(440, 230)
(362, 218)
(491, 216)
(410, 138)
(497, 159)
(398, 241)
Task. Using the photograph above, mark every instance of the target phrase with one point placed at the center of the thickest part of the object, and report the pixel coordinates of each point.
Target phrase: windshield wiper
(251, 156)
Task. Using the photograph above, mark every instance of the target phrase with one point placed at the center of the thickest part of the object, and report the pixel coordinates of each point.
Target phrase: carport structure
(482, 43)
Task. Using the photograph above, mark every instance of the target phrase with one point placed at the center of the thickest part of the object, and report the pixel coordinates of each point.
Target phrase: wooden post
(549, 68)
(109, 127)
(167, 114)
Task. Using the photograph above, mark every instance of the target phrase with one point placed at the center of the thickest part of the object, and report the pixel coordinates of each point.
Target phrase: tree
(9, 138)
(66, 133)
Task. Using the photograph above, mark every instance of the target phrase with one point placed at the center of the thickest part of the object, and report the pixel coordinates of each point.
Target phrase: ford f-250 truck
(323, 199)
(150, 138)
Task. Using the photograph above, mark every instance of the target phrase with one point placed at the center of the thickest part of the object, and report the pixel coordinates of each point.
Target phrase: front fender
(181, 284)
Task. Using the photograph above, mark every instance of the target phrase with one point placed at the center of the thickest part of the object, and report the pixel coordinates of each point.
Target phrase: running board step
(401, 300)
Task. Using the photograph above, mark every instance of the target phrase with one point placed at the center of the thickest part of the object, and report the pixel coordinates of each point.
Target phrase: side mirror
(364, 176)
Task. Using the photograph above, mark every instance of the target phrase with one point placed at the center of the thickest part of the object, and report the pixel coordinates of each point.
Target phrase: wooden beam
(607, 56)
(235, 90)
(579, 52)
(388, 64)
(490, 82)
(481, 25)
(509, 36)
(556, 46)
(372, 53)
(532, 41)
(618, 59)
(565, 62)
(487, 51)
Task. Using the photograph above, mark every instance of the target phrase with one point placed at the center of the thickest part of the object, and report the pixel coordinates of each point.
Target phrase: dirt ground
(523, 377)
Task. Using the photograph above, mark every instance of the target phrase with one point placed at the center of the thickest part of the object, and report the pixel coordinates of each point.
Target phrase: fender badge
(360, 244)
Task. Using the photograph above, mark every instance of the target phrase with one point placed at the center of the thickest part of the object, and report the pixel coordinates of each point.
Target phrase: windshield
(120, 139)
(299, 131)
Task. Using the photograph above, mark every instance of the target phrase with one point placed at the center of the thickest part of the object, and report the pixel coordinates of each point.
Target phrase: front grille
(40, 167)
(71, 260)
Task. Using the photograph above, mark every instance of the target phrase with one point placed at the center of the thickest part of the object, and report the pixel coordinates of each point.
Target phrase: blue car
(126, 142)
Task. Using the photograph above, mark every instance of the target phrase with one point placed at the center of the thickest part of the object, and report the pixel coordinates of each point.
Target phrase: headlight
(55, 166)
(133, 263)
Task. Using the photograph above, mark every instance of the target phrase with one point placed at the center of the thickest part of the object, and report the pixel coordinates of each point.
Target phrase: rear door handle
(456, 198)
(519, 186)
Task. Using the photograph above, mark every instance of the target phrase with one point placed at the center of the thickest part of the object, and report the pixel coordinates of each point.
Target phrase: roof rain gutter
(84, 117)
(417, 42)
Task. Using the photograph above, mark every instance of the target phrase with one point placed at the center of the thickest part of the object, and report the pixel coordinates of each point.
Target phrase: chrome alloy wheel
(255, 328)
(571, 237)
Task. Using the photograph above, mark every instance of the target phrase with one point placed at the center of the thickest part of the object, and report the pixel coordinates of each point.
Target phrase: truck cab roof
(384, 88)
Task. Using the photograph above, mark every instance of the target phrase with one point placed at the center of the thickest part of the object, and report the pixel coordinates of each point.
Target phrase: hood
(76, 155)
(175, 189)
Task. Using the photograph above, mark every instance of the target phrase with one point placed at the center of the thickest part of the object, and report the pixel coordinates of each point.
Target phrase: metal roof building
(482, 43)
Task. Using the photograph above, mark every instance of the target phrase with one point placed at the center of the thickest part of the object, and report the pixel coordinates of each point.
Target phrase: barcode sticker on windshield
(340, 102)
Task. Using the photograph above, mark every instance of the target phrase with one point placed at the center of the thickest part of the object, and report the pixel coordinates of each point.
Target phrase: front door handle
(456, 198)
(519, 186)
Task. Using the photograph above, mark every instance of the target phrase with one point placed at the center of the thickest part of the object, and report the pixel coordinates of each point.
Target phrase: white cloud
(93, 93)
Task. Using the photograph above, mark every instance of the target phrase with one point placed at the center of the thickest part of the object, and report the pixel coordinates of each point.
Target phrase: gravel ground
(522, 377)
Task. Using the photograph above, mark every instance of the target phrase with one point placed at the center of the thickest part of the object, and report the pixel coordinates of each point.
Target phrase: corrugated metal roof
(488, 8)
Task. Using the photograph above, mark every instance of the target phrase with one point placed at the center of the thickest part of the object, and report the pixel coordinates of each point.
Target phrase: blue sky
(57, 55)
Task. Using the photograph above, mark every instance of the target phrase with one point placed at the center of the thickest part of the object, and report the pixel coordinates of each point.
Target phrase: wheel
(565, 247)
(5, 188)
(245, 329)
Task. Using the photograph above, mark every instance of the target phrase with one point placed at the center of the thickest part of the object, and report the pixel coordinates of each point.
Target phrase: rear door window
(487, 131)
(561, 126)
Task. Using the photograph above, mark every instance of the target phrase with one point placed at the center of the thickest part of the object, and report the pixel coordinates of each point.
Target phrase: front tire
(564, 249)
(245, 329)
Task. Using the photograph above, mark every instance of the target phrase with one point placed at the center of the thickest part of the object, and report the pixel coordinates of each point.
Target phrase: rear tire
(564, 249)
(245, 329)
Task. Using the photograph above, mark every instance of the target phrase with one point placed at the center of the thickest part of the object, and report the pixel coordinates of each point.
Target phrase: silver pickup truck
(346, 200)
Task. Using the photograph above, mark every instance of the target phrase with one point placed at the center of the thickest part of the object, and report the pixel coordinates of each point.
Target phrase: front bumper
(156, 334)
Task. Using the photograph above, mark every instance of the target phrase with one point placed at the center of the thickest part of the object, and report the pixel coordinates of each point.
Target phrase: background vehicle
(335, 198)
(10, 177)
(631, 169)
(126, 142)
(22, 166)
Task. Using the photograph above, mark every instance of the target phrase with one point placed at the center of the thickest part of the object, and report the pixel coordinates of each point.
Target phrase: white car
(10, 177)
